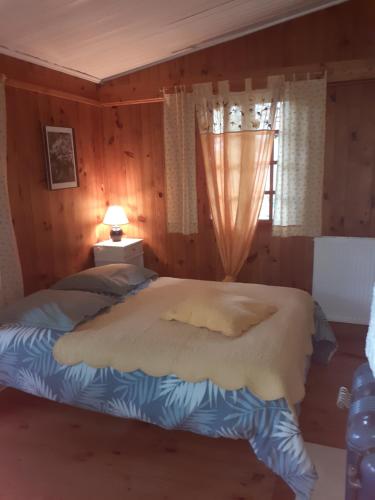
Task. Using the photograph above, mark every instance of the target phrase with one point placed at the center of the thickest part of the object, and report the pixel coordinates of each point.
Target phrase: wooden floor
(321, 421)
(54, 452)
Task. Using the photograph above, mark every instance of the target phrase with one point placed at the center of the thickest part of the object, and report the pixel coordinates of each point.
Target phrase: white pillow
(221, 312)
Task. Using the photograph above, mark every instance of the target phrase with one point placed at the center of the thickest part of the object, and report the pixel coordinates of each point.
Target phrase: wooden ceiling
(97, 39)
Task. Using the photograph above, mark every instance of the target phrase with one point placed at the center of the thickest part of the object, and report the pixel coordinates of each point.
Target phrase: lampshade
(115, 216)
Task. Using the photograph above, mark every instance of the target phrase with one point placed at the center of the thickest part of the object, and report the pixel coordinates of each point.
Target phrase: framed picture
(60, 157)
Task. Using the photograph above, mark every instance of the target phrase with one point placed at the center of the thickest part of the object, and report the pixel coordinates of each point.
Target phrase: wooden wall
(120, 153)
(134, 159)
(55, 229)
(349, 187)
(133, 144)
(337, 34)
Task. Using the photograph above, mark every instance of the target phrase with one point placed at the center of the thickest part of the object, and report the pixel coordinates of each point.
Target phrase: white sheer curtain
(180, 162)
(237, 135)
(11, 286)
(299, 187)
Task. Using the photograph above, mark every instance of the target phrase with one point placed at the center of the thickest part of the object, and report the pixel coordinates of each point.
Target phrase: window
(234, 119)
(266, 211)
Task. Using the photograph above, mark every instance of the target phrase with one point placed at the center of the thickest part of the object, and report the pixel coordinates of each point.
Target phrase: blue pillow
(55, 309)
(113, 279)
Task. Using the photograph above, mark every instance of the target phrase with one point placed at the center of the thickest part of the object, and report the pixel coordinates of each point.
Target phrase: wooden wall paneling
(361, 157)
(101, 231)
(55, 229)
(128, 176)
(350, 160)
(310, 43)
(21, 154)
(45, 222)
(154, 200)
(39, 75)
(57, 232)
(120, 153)
(286, 261)
(59, 224)
(329, 177)
(341, 144)
(129, 140)
(322, 39)
(108, 148)
(88, 203)
(133, 138)
(279, 261)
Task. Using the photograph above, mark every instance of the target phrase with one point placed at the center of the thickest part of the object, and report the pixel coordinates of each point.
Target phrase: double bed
(178, 399)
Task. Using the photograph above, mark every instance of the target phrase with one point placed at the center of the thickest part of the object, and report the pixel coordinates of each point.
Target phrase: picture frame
(61, 162)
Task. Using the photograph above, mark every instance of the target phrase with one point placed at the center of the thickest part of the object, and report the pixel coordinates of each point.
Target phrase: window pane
(265, 210)
(268, 181)
(276, 148)
(278, 116)
(274, 176)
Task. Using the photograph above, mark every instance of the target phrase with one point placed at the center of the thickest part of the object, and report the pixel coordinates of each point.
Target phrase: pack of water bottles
(360, 437)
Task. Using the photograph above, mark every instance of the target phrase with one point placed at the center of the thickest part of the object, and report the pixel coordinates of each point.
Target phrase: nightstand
(126, 251)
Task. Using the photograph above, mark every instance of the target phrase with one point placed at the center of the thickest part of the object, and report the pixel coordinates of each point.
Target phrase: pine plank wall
(120, 152)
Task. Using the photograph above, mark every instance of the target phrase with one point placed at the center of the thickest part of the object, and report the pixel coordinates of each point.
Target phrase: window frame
(272, 191)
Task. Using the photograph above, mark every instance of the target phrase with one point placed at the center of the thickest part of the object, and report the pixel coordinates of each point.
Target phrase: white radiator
(344, 275)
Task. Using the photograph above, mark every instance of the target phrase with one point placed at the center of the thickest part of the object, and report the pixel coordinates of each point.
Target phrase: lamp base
(116, 233)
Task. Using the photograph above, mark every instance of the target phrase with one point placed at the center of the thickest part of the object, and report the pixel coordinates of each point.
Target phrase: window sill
(263, 222)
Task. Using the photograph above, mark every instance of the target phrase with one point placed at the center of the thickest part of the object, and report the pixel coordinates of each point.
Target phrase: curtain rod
(289, 76)
(130, 102)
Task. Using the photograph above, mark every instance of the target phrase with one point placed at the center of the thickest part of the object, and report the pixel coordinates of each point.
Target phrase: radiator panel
(343, 278)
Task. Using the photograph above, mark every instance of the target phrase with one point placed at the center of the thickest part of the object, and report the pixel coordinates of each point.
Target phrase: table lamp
(115, 217)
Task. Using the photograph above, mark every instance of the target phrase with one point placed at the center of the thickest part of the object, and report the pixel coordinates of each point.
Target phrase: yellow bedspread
(269, 358)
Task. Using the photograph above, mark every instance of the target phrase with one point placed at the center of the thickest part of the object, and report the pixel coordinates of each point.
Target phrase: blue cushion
(55, 309)
(113, 279)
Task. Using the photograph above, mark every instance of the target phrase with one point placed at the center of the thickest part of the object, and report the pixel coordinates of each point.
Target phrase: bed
(271, 426)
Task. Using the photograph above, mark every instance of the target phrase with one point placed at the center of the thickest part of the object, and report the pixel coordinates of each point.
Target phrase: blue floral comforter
(271, 428)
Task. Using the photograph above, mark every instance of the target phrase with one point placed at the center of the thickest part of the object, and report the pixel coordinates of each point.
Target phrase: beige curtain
(180, 162)
(11, 284)
(299, 187)
(236, 131)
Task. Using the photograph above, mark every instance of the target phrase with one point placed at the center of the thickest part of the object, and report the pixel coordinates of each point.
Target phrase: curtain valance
(227, 111)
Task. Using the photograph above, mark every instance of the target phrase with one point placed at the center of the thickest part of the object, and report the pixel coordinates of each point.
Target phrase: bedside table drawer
(117, 253)
(127, 251)
(137, 260)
